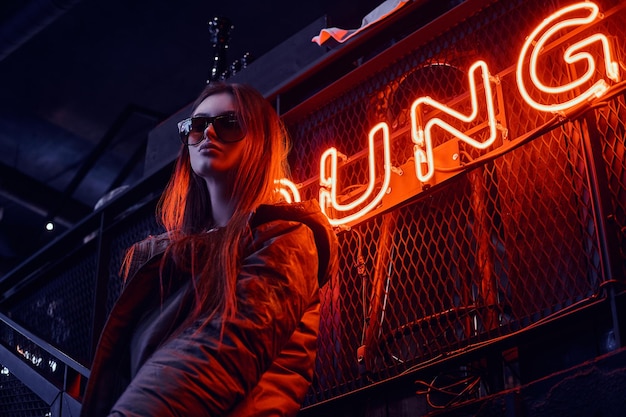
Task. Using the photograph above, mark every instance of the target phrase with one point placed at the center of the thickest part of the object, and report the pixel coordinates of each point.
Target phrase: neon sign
(575, 53)
(425, 111)
(288, 190)
(421, 132)
(328, 181)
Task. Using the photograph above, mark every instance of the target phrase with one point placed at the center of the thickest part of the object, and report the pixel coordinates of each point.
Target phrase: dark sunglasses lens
(198, 125)
(192, 130)
(228, 128)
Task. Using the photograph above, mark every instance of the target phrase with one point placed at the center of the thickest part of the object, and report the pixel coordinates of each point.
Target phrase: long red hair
(185, 211)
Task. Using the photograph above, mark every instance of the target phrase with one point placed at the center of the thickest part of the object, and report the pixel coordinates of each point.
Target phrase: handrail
(61, 356)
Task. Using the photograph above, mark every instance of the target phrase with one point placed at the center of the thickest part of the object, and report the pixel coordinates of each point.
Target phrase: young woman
(219, 315)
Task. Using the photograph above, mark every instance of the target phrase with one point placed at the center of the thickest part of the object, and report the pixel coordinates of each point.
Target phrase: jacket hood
(310, 214)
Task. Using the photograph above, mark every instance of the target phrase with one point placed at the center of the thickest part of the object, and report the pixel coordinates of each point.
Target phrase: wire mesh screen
(500, 237)
(611, 124)
(17, 400)
(137, 227)
(61, 310)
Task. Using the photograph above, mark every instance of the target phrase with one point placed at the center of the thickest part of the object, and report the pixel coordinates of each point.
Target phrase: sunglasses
(226, 126)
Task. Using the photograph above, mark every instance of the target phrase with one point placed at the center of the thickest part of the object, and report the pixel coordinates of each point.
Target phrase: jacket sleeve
(283, 387)
(193, 374)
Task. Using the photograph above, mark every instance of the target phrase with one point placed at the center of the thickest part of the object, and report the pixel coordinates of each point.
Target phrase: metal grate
(488, 250)
(137, 227)
(61, 310)
(611, 125)
(16, 400)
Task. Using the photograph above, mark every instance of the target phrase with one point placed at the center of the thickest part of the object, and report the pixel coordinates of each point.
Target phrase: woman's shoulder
(151, 245)
(308, 214)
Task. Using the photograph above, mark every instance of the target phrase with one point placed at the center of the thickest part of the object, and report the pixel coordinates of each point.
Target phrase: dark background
(83, 82)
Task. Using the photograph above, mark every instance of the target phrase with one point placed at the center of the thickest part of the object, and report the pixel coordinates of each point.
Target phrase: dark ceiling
(83, 82)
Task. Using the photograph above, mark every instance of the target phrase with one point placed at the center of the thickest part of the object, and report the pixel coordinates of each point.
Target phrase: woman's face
(212, 158)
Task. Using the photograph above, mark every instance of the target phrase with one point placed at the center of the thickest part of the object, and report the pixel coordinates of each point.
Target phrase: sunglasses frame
(184, 127)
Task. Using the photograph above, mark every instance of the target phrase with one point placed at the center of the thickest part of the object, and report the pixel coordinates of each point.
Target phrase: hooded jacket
(150, 363)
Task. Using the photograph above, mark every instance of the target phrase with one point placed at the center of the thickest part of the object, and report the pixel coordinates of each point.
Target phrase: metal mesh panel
(491, 249)
(16, 400)
(548, 229)
(61, 310)
(133, 229)
(611, 124)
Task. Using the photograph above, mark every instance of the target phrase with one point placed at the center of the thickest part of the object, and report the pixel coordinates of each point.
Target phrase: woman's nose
(209, 132)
